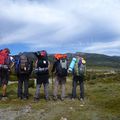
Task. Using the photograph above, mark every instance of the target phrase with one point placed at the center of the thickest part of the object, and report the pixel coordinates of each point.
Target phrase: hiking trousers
(4, 76)
(78, 80)
(59, 81)
(37, 93)
(23, 81)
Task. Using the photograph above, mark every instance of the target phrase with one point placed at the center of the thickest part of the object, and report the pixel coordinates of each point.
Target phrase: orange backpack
(62, 66)
(60, 56)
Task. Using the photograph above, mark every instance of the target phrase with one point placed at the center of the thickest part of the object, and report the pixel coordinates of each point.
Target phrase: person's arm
(36, 63)
(67, 64)
(85, 70)
(12, 65)
(31, 67)
(48, 65)
(11, 62)
(35, 67)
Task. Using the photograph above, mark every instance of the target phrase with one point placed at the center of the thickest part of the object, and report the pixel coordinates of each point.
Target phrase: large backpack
(42, 67)
(23, 64)
(4, 59)
(42, 63)
(62, 67)
(79, 68)
(41, 54)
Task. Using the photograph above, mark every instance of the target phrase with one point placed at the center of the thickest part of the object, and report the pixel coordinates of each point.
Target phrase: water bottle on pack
(72, 64)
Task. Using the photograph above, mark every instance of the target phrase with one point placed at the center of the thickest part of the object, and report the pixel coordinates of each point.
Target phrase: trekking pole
(52, 80)
(86, 83)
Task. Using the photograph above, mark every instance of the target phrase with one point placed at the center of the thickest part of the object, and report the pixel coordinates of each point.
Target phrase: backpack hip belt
(41, 69)
(4, 66)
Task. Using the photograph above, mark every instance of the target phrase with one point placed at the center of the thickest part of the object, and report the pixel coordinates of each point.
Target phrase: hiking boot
(55, 98)
(25, 98)
(47, 99)
(4, 98)
(20, 97)
(36, 99)
(73, 98)
(62, 99)
(82, 100)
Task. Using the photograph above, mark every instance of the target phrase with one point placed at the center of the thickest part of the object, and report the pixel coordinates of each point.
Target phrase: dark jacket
(56, 66)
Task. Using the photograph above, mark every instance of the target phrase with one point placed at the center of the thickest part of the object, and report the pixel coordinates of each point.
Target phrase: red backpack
(3, 57)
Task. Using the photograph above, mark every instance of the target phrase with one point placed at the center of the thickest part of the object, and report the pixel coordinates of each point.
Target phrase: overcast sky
(91, 26)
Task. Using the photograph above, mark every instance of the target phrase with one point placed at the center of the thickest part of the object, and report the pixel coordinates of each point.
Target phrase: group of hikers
(24, 68)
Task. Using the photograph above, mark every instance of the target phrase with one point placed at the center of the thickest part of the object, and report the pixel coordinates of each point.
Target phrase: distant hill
(93, 60)
(103, 60)
(99, 60)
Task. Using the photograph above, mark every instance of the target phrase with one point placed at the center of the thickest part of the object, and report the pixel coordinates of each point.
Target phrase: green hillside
(100, 60)
(93, 60)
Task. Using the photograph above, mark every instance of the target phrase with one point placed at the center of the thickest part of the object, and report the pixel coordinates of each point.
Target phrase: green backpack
(79, 68)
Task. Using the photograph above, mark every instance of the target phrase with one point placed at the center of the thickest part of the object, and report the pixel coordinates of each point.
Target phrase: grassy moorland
(102, 102)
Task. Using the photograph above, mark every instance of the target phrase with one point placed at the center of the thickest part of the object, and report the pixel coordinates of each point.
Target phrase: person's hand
(68, 71)
(9, 70)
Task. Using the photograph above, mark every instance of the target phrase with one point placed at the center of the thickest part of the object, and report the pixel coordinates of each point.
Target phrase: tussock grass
(102, 102)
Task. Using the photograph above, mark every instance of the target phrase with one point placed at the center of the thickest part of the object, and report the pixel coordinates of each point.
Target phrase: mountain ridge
(92, 59)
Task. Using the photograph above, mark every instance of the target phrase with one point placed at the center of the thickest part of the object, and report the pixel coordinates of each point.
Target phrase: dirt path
(36, 111)
(98, 105)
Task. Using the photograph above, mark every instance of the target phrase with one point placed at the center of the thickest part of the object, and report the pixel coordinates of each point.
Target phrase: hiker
(78, 71)
(5, 65)
(42, 74)
(23, 71)
(60, 68)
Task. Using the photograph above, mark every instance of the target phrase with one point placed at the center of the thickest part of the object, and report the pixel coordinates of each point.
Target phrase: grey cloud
(58, 23)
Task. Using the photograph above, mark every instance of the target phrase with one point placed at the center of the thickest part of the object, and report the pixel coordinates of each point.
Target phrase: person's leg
(46, 85)
(20, 86)
(5, 78)
(37, 93)
(74, 85)
(26, 85)
(63, 82)
(0, 81)
(81, 88)
(56, 83)
(38, 85)
(4, 89)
